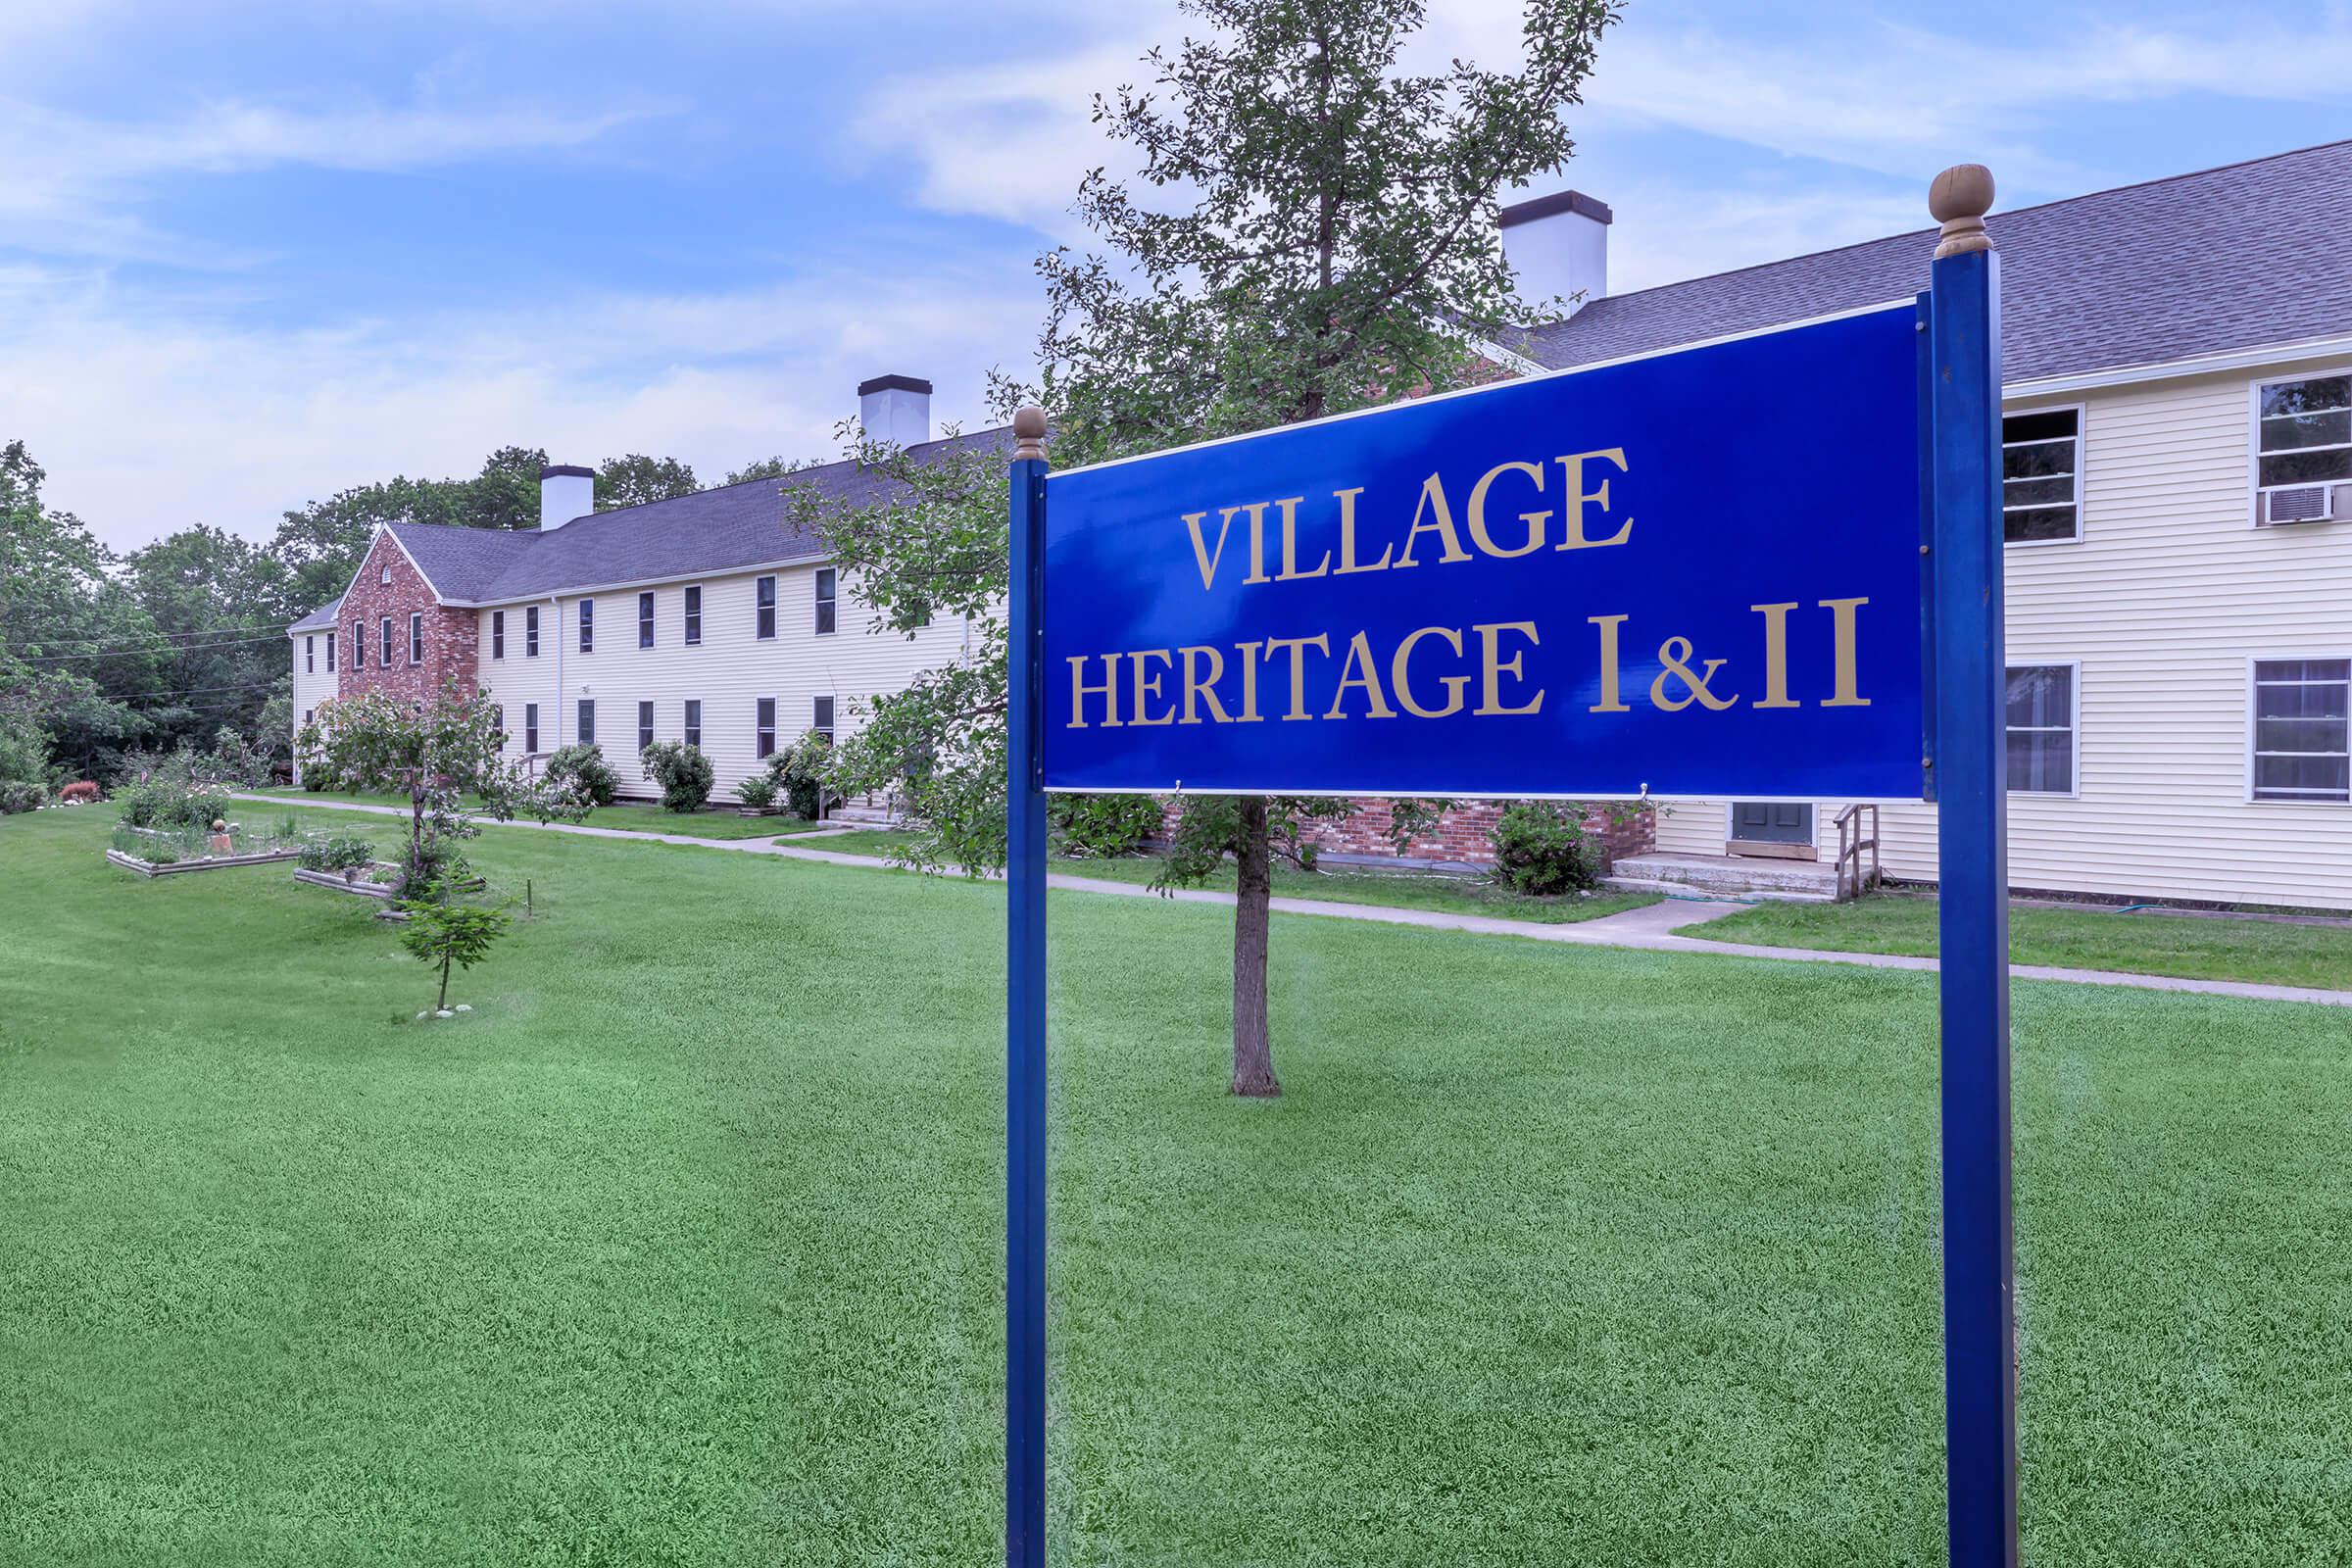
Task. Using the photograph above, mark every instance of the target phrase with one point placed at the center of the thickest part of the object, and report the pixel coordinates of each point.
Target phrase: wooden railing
(1852, 839)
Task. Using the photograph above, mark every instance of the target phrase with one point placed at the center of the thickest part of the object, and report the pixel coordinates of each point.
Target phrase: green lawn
(711, 822)
(2088, 938)
(684, 1247)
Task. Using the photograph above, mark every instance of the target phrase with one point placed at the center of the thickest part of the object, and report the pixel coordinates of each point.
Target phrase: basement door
(1773, 828)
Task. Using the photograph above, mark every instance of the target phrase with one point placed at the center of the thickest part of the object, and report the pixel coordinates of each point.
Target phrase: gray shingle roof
(2241, 257)
(710, 531)
(320, 620)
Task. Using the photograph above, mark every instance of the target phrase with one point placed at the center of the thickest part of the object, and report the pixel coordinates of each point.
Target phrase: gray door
(1770, 823)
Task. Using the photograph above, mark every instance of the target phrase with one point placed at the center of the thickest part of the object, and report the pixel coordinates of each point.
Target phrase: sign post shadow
(1836, 699)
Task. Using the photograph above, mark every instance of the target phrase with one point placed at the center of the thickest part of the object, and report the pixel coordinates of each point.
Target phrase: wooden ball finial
(1958, 199)
(1029, 428)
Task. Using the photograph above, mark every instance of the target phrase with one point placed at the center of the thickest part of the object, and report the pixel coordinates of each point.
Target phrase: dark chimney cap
(1565, 201)
(551, 470)
(895, 383)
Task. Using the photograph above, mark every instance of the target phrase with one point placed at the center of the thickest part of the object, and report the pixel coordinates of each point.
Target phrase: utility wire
(129, 651)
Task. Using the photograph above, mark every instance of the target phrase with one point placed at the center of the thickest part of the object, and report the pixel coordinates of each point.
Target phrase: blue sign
(1691, 574)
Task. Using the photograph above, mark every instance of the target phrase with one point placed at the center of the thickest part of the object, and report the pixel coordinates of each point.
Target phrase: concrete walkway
(1649, 929)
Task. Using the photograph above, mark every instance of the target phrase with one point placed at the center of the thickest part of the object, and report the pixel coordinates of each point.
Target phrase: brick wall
(452, 637)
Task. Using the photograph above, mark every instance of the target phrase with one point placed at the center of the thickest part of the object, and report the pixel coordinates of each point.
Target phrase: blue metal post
(1979, 1342)
(1025, 1016)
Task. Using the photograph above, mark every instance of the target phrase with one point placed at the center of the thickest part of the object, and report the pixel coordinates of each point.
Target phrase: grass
(684, 1247)
(1404, 890)
(2089, 938)
(633, 817)
(879, 841)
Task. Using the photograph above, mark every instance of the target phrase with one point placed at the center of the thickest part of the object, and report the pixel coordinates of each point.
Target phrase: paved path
(1649, 929)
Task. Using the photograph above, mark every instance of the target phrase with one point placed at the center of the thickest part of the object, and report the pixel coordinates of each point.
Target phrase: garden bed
(360, 885)
(131, 863)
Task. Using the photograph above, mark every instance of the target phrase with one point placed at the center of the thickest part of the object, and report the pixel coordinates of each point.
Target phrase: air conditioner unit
(2300, 502)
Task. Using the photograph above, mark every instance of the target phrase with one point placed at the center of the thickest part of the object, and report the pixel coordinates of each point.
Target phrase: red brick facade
(450, 636)
(1467, 832)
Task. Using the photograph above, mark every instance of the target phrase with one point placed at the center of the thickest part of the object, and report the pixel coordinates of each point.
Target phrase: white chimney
(566, 493)
(1559, 246)
(896, 408)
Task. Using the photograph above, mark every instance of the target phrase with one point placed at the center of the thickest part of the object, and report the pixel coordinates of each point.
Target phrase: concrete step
(1800, 881)
(861, 816)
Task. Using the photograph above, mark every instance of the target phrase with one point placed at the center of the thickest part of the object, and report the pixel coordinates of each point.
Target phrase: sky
(255, 253)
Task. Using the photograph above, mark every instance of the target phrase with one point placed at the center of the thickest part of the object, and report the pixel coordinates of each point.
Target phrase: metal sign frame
(1961, 583)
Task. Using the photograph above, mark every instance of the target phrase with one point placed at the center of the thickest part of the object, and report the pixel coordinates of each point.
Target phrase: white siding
(728, 672)
(314, 685)
(2162, 602)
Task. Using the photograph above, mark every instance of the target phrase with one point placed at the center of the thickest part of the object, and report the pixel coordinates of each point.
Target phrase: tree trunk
(443, 1004)
(417, 833)
(1253, 1044)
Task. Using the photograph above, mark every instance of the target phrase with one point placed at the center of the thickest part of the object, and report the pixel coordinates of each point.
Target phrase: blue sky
(252, 253)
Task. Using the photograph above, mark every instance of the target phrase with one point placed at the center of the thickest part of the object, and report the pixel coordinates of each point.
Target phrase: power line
(133, 650)
(280, 629)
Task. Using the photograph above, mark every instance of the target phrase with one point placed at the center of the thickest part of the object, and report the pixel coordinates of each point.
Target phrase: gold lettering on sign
(1572, 471)
(1358, 670)
(1847, 681)
(1347, 560)
(1109, 691)
(1401, 680)
(1199, 688)
(1299, 647)
(1290, 572)
(1535, 520)
(1610, 702)
(1775, 655)
(1146, 686)
(1496, 668)
(1433, 505)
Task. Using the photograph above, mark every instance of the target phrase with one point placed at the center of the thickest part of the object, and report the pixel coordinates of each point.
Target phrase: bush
(166, 798)
(1540, 850)
(683, 772)
(584, 768)
(1102, 827)
(337, 854)
(799, 773)
(21, 795)
(758, 792)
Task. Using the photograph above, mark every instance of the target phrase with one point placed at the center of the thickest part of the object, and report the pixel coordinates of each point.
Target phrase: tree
(321, 544)
(636, 479)
(775, 468)
(1337, 245)
(435, 754)
(217, 603)
(441, 930)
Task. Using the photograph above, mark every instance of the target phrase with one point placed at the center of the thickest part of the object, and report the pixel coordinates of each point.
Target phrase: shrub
(1101, 826)
(758, 792)
(683, 772)
(21, 795)
(337, 854)
(166, 798)
(1540, 850)
(584, 768)
(799, 773)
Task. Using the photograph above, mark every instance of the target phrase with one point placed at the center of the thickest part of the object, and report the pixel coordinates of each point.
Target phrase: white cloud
(151, 421)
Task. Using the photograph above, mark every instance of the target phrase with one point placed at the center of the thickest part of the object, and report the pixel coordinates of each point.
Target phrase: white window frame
(825, 729)
(583, 720)
(383, 628)
(331, 653)
(384, 577)
(775, 728)
(774, 598)
(2254, 663)
(690, 615)
(530, 631)
(2073, 691)
(2081, 413)
(690, 722)
(497, 723)
(415, 638)
(310, 655)
(648, 725)
(583, 616)
(820, 601)
(530, 729)
(2254, 485)
(649, 614)
(498, 634)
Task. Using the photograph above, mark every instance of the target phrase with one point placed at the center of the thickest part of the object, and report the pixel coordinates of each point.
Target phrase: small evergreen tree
(442, 931)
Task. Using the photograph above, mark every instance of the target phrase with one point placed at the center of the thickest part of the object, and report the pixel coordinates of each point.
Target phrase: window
(2041, 728)
(825, 582)
(587, 734)
(763, 742)
(645, 725)
(587, 625)
(498, 634)
(821, 719)
(359, 645)
(764, 615)
(694, 722)
(694, 617)
(530, 632)
(645, 621)
(498, 725)
(308, 714)
(415, 636)
(2301, 749)
(384, 574)
(2042, 476)
(310, 655)
(331, 653)
(2303, 447)
(530, 727)
(383, 630)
